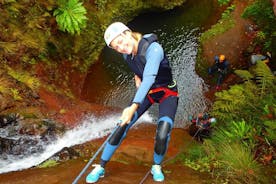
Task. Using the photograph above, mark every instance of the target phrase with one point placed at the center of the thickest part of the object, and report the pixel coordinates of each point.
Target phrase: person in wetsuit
(221, 66)
(155, 84)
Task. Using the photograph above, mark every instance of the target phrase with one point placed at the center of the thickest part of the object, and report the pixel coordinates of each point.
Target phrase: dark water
(111, 83)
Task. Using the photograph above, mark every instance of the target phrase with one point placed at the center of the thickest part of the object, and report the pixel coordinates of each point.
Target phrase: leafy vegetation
(101, 4)
(252, 94)
(48, 163)
(245, 136)
(238, 164)
(15, 94)
(261, 12)
(70, 16)
(223, 2)
(24, 77)
(196, 158)
(225, 23)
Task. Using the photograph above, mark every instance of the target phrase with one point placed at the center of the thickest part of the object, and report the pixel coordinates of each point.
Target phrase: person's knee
(162, 136)
(115, 139)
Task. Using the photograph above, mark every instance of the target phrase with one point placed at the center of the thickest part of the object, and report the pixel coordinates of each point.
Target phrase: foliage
(48, 163)
(223, 2)
(250, 95)
(261, 12)
(196, 158)
(4, 85)
(245, 74)
(231, 159)
(264, 77)
(70, 16)
(101, 4)
(15, 94)
(8, 47)
(230, 108)
(250, 107)
(242, 132)
(238, 163)
(270, 127)
(29, 30)
(225, 23)
(24, 77)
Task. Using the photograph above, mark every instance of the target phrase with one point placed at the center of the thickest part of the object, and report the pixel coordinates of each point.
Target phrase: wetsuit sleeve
(154, 56)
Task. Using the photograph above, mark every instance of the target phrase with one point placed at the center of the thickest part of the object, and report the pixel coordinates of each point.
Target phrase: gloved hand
(137, 81)
(128, 114)
(222, 71)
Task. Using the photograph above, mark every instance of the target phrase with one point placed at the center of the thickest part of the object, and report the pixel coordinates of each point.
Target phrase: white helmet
(114, 30)
(213, 120)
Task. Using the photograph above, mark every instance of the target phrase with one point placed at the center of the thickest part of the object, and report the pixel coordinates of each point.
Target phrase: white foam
(90, 128)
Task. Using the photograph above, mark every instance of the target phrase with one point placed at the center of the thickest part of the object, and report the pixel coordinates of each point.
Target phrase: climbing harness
(147, 174)
(161, 93)
(94, 156)
(165, 92)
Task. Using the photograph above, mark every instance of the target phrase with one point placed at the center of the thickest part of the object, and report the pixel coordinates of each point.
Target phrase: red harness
(167, 93)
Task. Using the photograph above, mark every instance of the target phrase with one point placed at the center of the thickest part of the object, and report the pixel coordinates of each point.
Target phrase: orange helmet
(222, 57)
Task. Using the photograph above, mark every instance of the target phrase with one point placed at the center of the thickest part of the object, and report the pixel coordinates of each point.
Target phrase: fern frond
(244, 74)
(264, 77)
(233, 103)
(70, 16)
(9, 47)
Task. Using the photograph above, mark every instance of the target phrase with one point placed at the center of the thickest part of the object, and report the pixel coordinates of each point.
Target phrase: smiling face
(124, 43)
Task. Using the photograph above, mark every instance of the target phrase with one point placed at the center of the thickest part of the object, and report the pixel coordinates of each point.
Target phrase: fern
(264, 77)
(9, 47)
(70, 16)
(101, 4)
(246, 101)
(246, 75)
(270, 127)
(239, 101)
(223, 2)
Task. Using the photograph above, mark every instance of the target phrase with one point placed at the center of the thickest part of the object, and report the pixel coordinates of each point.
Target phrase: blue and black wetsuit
(221, 68)
(152, 66)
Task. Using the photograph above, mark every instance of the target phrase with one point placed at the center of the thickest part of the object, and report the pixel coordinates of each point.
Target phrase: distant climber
(221, 66)
(259, 57)
(200, 127)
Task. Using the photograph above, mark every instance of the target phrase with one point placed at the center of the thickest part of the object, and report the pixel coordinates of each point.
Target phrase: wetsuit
(221, 68)
(152, 66)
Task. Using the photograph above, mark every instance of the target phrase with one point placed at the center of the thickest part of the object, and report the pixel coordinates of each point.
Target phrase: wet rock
(10, 119)
(21, 137)
(66, 154)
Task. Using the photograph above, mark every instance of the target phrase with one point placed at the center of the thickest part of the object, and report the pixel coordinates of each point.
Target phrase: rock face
(19, 138)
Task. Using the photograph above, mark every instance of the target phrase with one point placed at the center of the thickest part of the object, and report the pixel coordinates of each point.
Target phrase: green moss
(48, 163)
(24, 77)
(201, 64)
(15, 94)
(224, 24)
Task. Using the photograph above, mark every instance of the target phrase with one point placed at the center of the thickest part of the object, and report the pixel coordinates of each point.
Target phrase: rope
(147, 174)
(93, 158)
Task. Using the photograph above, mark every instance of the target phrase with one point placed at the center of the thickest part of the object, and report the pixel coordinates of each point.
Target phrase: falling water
(90, 128)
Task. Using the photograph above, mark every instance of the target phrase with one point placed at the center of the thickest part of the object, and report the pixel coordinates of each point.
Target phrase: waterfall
(90, 128)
